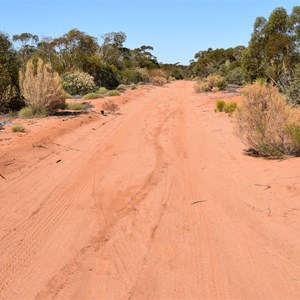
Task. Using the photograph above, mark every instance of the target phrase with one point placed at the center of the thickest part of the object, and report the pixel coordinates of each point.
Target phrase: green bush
(220, 105)
(18, 128)
(235, 76)
(121, 87)
(91, 96)
(133, 86)
(131, 76)
(26, 113)
(215, 80)
(113, 93)
(74, 106)
(9, 67)
(78, 83)
(229, 108)
(67, 95)
(102, 90)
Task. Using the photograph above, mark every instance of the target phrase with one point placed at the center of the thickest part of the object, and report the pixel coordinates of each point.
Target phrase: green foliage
(293, 133)
(67, 95)
(211, 61)
(267, 124)
(18, 128)
(113, 93)
(220, 105)
(9, 65)
(273, 48)
(293, 90)
(121, 87)
(26, 113)
(229, 108)
(102, 90)
(75, 106)
(133, 86)
(129, 76)
(210, 82)
(78, 83)
(235, 76)
(91, 96)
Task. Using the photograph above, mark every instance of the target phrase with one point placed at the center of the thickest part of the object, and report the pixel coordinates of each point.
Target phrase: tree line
(107, 60)
(273, 55)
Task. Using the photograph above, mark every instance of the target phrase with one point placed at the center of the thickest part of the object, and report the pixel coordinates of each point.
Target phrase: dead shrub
(158, 80)
(211, 83)
(202, 87)
(41, 88)
(266, 123)
(110, 107)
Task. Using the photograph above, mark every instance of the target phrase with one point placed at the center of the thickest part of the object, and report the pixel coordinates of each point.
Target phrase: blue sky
(177, 29)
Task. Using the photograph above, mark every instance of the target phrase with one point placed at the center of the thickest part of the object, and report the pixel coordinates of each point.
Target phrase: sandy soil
(158, 202)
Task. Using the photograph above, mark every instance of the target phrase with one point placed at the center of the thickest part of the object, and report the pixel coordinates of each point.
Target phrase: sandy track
(157, 203)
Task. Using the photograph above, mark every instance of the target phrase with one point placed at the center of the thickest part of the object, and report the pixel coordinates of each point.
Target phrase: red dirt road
(156, 203)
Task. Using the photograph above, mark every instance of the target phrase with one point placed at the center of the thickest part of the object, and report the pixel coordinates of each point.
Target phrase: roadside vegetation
(37, 75)
(268, 119)
(40, 73)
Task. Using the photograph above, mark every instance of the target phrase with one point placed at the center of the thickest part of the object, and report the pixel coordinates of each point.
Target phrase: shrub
(202, 87)
(110, 106)
(26, 113)
(215, 89)
(212, 82)
(235, 76)
(229, 108)
(121, 87)
(266, 123)
(9, 67)
(74, 106)
(102, 90)
(91, 96)
(113, 93)
(67, 95)
(158, 80)
(131, 75)
(220, 105)
(133, 86)
(216, 80)
(18, 128)
(41, 88)
(78, 83)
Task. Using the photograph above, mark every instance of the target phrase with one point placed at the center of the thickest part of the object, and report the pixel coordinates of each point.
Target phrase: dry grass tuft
(41, 88)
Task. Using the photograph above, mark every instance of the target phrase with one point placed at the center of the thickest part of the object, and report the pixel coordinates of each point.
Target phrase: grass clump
(267, 124)
(110, 107)
(230, 108)
(74, 106)
(133, 86)
(122, 87)
(113, 93)
(41, 88)
(26, 113)
(91, 96)
(220, 105)
(102, 90)
(211, 83)
(18, 128)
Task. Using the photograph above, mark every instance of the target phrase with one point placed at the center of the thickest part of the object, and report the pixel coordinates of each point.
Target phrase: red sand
(158, 202)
